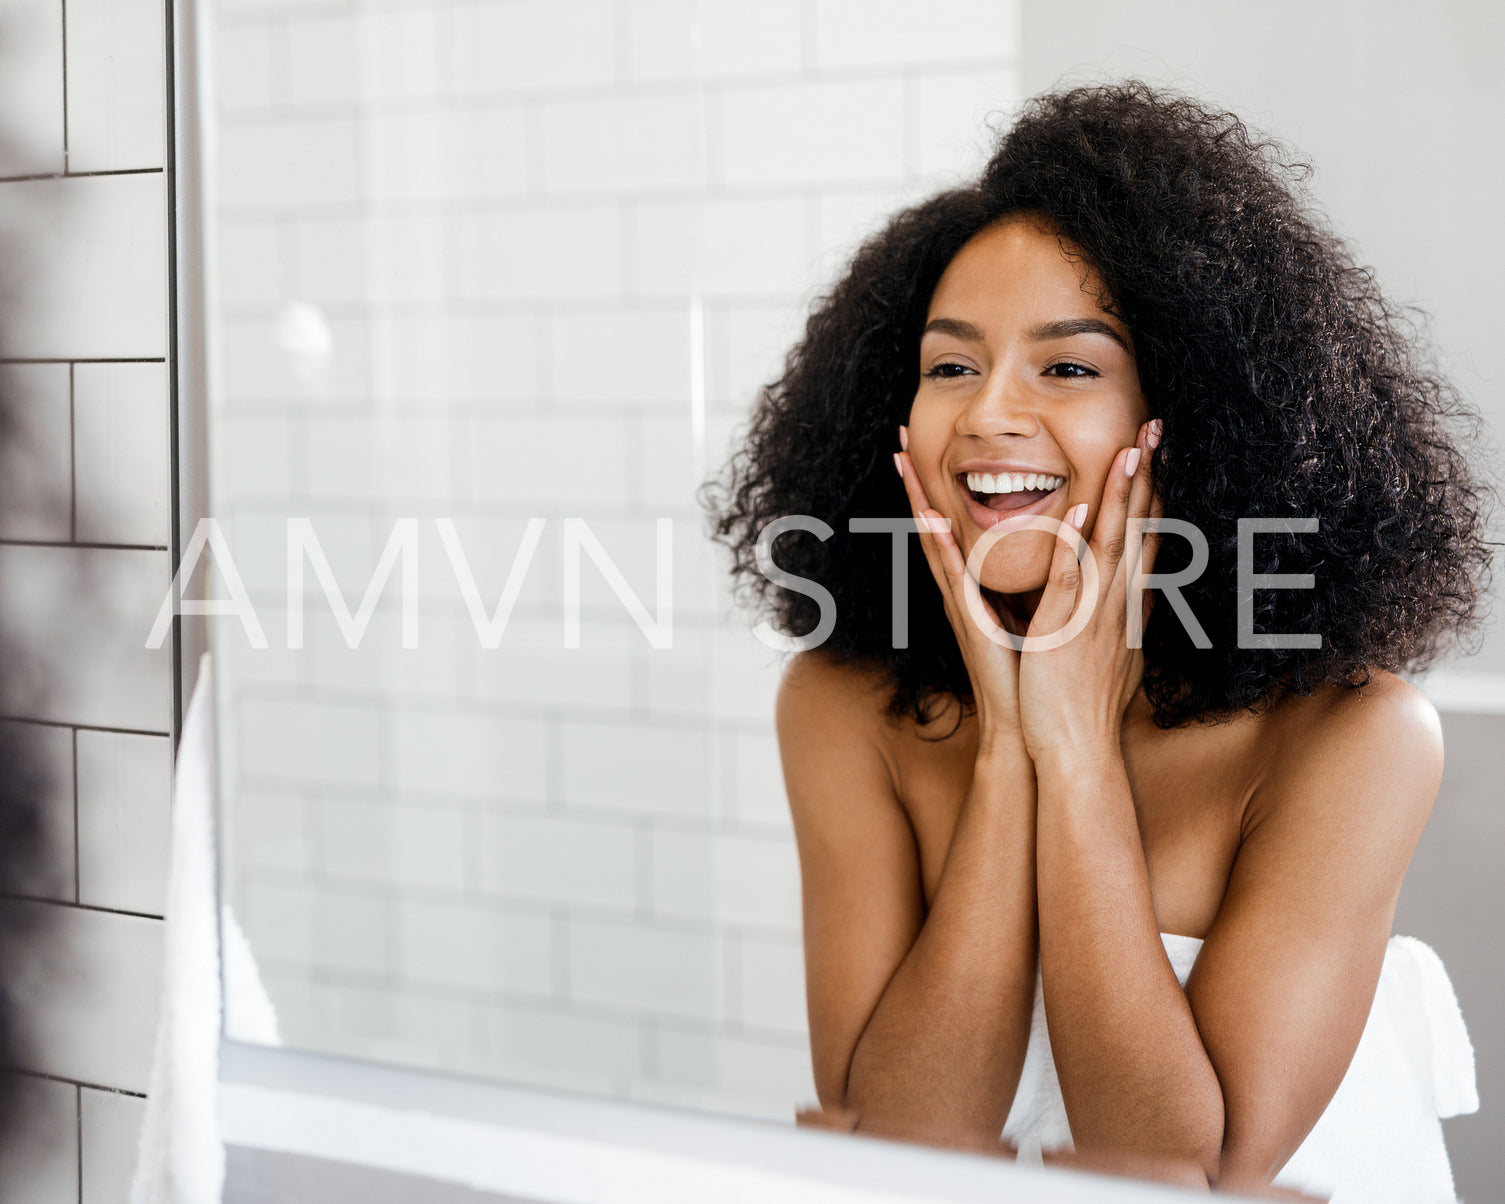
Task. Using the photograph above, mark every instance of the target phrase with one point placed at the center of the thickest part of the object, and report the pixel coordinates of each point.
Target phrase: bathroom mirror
(491, 287)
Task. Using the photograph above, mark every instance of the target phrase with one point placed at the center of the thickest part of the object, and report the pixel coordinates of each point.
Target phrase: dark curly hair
(1287, 384)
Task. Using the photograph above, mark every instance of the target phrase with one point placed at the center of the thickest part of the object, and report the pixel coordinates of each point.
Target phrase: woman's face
(1021, 372)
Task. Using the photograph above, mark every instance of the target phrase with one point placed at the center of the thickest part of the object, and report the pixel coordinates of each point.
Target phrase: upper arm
(859, 869)
(1285, 980)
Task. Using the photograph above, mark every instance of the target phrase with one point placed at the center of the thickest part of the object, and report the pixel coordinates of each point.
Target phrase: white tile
(85, 614)
(35, 471)
(386, 458)
(710, 39)
(745, 675)
(302, 354)
(31, 87)
(380, 663)
(490, 546)
(117, 85)
(636, 768)
(88, 1005)
(310, 926)
(848, 217)
(864, 32)
(547, 462)
(536, 1038)
(390, 845)
(124, 820)
(475, 945)
(325, 63)
(755, 246)
(545, 254)
(401, 52)
(41, 1163)
(621, 356)
(745, 348)
(110, 1124)
(120, 459)
(627, 143)
(96, 275)
(665, 247)
(767, 1067)
(466, 754)
(757, 790)
(737, 39)
(666, 464)
(804, 134)
(631, 544)
(638, 968)
(288, 163)
(391, 1024)
(448, 155)
(544, 859)
(44, 754)
(246, 64)
(959, 117)
(533, 666)
(771, 984)
(375, 258)
(453, 357)
(730, 878)
(255, 456)
(507, 45)
(250, 268)
(258, 543)
(310, 742)
(269, 830)
(278, 918)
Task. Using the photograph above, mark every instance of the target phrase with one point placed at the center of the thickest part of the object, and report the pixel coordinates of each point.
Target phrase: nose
(1000, 407)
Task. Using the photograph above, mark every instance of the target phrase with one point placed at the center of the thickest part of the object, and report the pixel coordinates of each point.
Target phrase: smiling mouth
(1006, 493)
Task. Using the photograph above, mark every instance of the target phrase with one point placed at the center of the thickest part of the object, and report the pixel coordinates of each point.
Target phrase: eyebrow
(1063, 328)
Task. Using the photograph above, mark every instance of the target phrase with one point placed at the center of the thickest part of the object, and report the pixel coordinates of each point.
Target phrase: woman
(1194, 848)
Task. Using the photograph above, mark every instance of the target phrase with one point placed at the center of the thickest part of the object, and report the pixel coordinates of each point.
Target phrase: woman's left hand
(1073, 697)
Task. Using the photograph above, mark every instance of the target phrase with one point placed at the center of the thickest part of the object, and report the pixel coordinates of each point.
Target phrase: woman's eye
(947, 370)
(1069, 370)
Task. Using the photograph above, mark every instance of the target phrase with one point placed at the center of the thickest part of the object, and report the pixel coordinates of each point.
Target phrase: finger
(1108, 529)
(943, 553)
(1063, 586)
(1141, 491)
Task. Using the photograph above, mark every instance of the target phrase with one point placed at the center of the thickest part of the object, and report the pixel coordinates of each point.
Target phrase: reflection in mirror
(494, 286)
(510, 782)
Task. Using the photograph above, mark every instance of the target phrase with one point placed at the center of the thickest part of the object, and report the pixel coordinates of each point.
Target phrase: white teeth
(1012, 482)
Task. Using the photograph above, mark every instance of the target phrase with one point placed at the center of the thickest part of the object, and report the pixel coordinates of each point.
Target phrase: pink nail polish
(899, 468)
(1131, 462)
(904, 437)
(1078, 515)
(1152, 436)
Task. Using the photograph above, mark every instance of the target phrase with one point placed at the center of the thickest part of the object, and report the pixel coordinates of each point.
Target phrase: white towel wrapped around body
(1380, 1139)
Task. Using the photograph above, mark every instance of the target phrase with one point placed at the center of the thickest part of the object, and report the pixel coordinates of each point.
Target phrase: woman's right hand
(992, 665)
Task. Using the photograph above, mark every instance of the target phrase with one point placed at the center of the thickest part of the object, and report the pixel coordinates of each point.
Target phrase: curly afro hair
(1288, 387)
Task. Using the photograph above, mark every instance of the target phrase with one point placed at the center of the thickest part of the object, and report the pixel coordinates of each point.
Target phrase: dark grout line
(59, 543)
(84, 727)
(77, 896)
(59, 1078)
(72, 459)
(111, 911)
(84, 359)
(81, 175)
(64, 8)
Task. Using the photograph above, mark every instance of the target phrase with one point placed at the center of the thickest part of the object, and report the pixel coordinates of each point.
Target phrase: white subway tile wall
(490, 260)
(85, 506)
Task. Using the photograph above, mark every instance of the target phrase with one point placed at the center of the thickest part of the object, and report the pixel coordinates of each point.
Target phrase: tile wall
(84, 561)
(499, 259)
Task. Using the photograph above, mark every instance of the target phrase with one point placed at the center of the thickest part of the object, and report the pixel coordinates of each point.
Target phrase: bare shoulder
(834, 712)
(1375, 750)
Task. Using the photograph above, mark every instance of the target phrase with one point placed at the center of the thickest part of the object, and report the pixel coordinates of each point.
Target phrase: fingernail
(1078, 515)
(933, 520)
(1132, 462)
(1152, 439)
(904, 437)
(898, 468)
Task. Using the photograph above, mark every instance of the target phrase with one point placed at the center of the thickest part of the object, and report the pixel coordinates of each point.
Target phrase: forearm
(1134, 1074)
(941, 1054)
